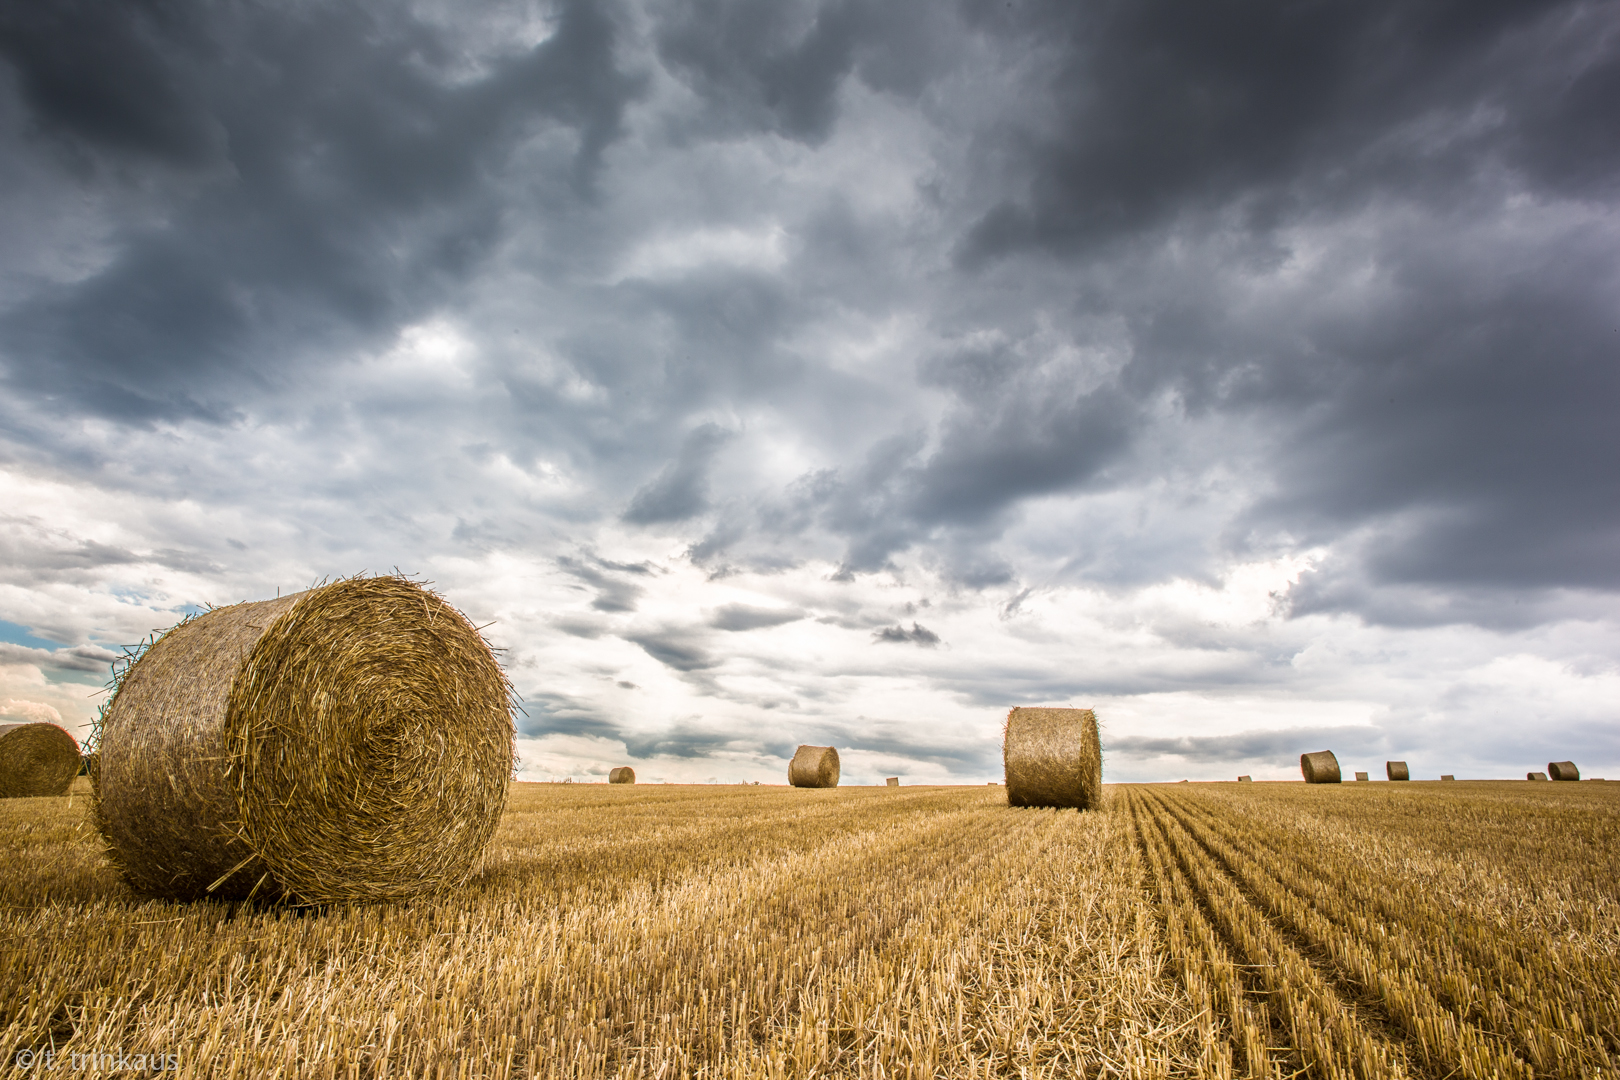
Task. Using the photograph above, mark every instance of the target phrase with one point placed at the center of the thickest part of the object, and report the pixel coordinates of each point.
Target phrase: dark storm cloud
(327, 175)
(90, 658)
(680, 491)
(739, 617)
(917, 635)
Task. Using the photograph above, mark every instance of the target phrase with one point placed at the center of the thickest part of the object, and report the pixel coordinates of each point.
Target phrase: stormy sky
(841, 372)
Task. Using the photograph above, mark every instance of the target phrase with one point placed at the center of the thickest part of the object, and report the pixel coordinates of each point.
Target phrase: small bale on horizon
(814, 767)
(1397, 770)
(1563, 770)
(1361, 776)
(37, 760)
(622, 774)
(1447, 776)
(1052, 757)
(1320, 768)
(1535, 776)
(1245, 779)
(893, 781)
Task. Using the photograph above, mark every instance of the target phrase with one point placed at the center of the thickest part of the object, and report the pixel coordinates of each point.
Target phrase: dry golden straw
(624, 774)
(814, 766)
(1397, 770)
(349, 743)
(1563, 770)
(35, 760)
(1320, 768)
(1052, 757)
(1535, 776)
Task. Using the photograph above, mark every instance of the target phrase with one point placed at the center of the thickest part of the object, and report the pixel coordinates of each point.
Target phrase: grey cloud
(613, 594)
(681, 490)
(917, 635)
(1284, 744)
(91, 658)
(737, 617)
(683, 650)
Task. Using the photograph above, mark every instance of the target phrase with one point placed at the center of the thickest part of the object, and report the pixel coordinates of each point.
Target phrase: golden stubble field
(1470, 929)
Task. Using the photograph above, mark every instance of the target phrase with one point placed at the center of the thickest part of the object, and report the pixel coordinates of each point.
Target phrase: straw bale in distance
(36, 760)
(1563, 770)
(893, 781)
(1320, 768)
(624, 774)
(814, 766)
(348, 743)
(1535, 776)
(1447, 776)
(1397, 770)
(1052, 757)
(1245, 779)
(1361, 776)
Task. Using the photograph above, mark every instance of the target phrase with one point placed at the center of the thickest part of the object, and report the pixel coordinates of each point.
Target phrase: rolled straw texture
(1052, 757)
(1397, 770)
(349, 743)
(1535, 776)
(814, 766)
(624, 774)
(1563, 770)
(36, 760)
(1320, 768)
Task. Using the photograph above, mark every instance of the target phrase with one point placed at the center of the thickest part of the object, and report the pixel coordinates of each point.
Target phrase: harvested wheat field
(1467, 930)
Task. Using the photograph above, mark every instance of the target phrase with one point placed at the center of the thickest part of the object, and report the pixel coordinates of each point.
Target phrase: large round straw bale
(1320, 768)
(1535, 776)
(1052, 757)
(624, 774)
(1397, 770)
(814, 766)
(1563, 770)
(35, 760)
(349, 743)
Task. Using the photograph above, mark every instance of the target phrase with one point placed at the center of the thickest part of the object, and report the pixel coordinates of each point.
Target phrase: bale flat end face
(1052, 757)
(1397, 770)
(624, 774)
(37, 761)
(1563, 770)
(814, 767)
(1320, 768)
(1535, 776)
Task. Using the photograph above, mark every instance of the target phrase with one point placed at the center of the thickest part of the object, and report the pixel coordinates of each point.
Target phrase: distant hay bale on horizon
(1535, 776)
(37, 760)
(1361, 776)
(1320, 768)
(814, 767)
(1397, 770)
(893, 781)
(623, 774)
(1447, 776)
(351, 743)
(1052, 757)
(1563, 770)
(1245, 779)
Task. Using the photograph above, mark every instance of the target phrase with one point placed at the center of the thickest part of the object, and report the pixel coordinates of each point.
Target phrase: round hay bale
(1245, 779)
(349, 743)
(1052, 757)
(814, 766)
(1535, 776)
(1320, 768)
(892, 781)
(36, 760)
(1563, 770)
(1361, 776)
(624, 774)
(1397, 770)
(1447, 776)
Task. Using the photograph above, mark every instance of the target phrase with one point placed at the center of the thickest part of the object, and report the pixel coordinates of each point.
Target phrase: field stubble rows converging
(1267, 930)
